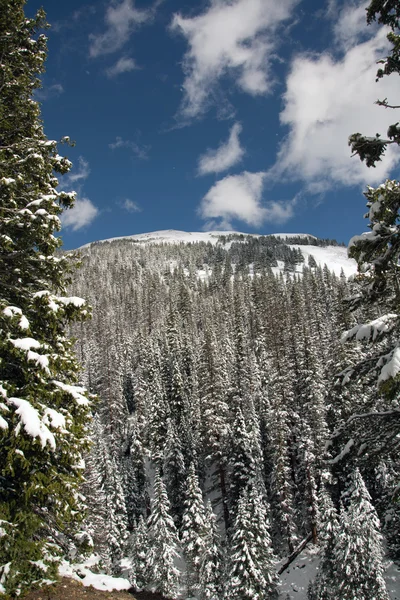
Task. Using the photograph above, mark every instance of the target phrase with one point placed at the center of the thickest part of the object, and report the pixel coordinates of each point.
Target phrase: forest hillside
(220, 437)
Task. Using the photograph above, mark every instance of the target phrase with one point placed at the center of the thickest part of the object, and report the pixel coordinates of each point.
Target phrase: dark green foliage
(43, 413)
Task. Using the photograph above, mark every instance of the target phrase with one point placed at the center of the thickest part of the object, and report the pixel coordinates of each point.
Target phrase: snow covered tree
(138, 547)
(242, 466)
(163, 543)
(251, 572)
(357, 552)
(376, 253)
(193, 530)
(107, 512)
(211, 564)
(174, 471)
(328, 530)
(43, 412)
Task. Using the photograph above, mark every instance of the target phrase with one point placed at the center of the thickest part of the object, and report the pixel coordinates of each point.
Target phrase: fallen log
(295, 553)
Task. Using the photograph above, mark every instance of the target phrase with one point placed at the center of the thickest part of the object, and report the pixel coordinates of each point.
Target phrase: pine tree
(251, 573)
(43, 412)
(138, 546)
(174, 472)
(194, 529)
(376, 253)
(357, 551)
(242, 466)
(328, 530)
(163, 543)
(211, 564)
(107, 507)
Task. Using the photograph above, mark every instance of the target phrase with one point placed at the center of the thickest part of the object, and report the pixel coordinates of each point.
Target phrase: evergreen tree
(43, 413)
(376, 253)
(242, 466)
(163, 543)
(251, 571)
(106, 500)
(193, 531)
(211, 564)
(174, 472)
(357, 551)
(138, 547)
(328, 530)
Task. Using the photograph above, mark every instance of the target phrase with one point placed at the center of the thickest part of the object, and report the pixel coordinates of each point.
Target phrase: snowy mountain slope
(335, 257)
(174, 236)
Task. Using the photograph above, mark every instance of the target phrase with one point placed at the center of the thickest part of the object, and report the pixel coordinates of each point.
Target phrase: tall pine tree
(42, 411)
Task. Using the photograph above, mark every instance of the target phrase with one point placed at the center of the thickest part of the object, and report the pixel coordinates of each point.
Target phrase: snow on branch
(32, 423)
(372, 330)
(392, 366)
(76, 391)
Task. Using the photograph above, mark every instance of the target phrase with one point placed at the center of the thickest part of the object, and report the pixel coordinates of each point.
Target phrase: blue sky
(218, 114)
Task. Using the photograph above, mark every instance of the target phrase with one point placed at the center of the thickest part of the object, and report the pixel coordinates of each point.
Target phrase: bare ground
(69, 589)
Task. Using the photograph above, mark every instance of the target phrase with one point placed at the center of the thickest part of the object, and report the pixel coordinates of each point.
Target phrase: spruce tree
(43, 412)
(251, 573)
(138, 545)
(211, 564)
(194, 529)
(163, 543)
(376, 253)
(357, 551)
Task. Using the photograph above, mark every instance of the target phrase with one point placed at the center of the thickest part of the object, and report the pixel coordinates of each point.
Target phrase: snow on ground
(335, 258)
(173, 236)
(295, 580)
(81, 572)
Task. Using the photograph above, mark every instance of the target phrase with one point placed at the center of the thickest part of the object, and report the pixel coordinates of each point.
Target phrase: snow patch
(81, 572)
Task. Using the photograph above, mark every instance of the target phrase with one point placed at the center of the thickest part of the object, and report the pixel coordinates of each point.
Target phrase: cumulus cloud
(231, 37)
(123, 65)
(235, 197)
(325, 101)
(239, 197)
(130, 206)
(121, 20)
(225, 156)
(81, 215)
(139, 151)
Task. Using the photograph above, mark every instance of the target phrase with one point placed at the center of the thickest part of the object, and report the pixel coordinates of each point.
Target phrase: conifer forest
(189, 417)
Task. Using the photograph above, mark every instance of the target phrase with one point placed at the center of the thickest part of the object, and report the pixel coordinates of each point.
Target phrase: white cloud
(351, 27)
(239, 197)
(139, 151)
(225, 156)
(82, 173)
(325, 101)
(123, 65)
(235, 197)
(130, 206)
(121, 19)
(235, 37)
(81, 215)
(51, 91)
